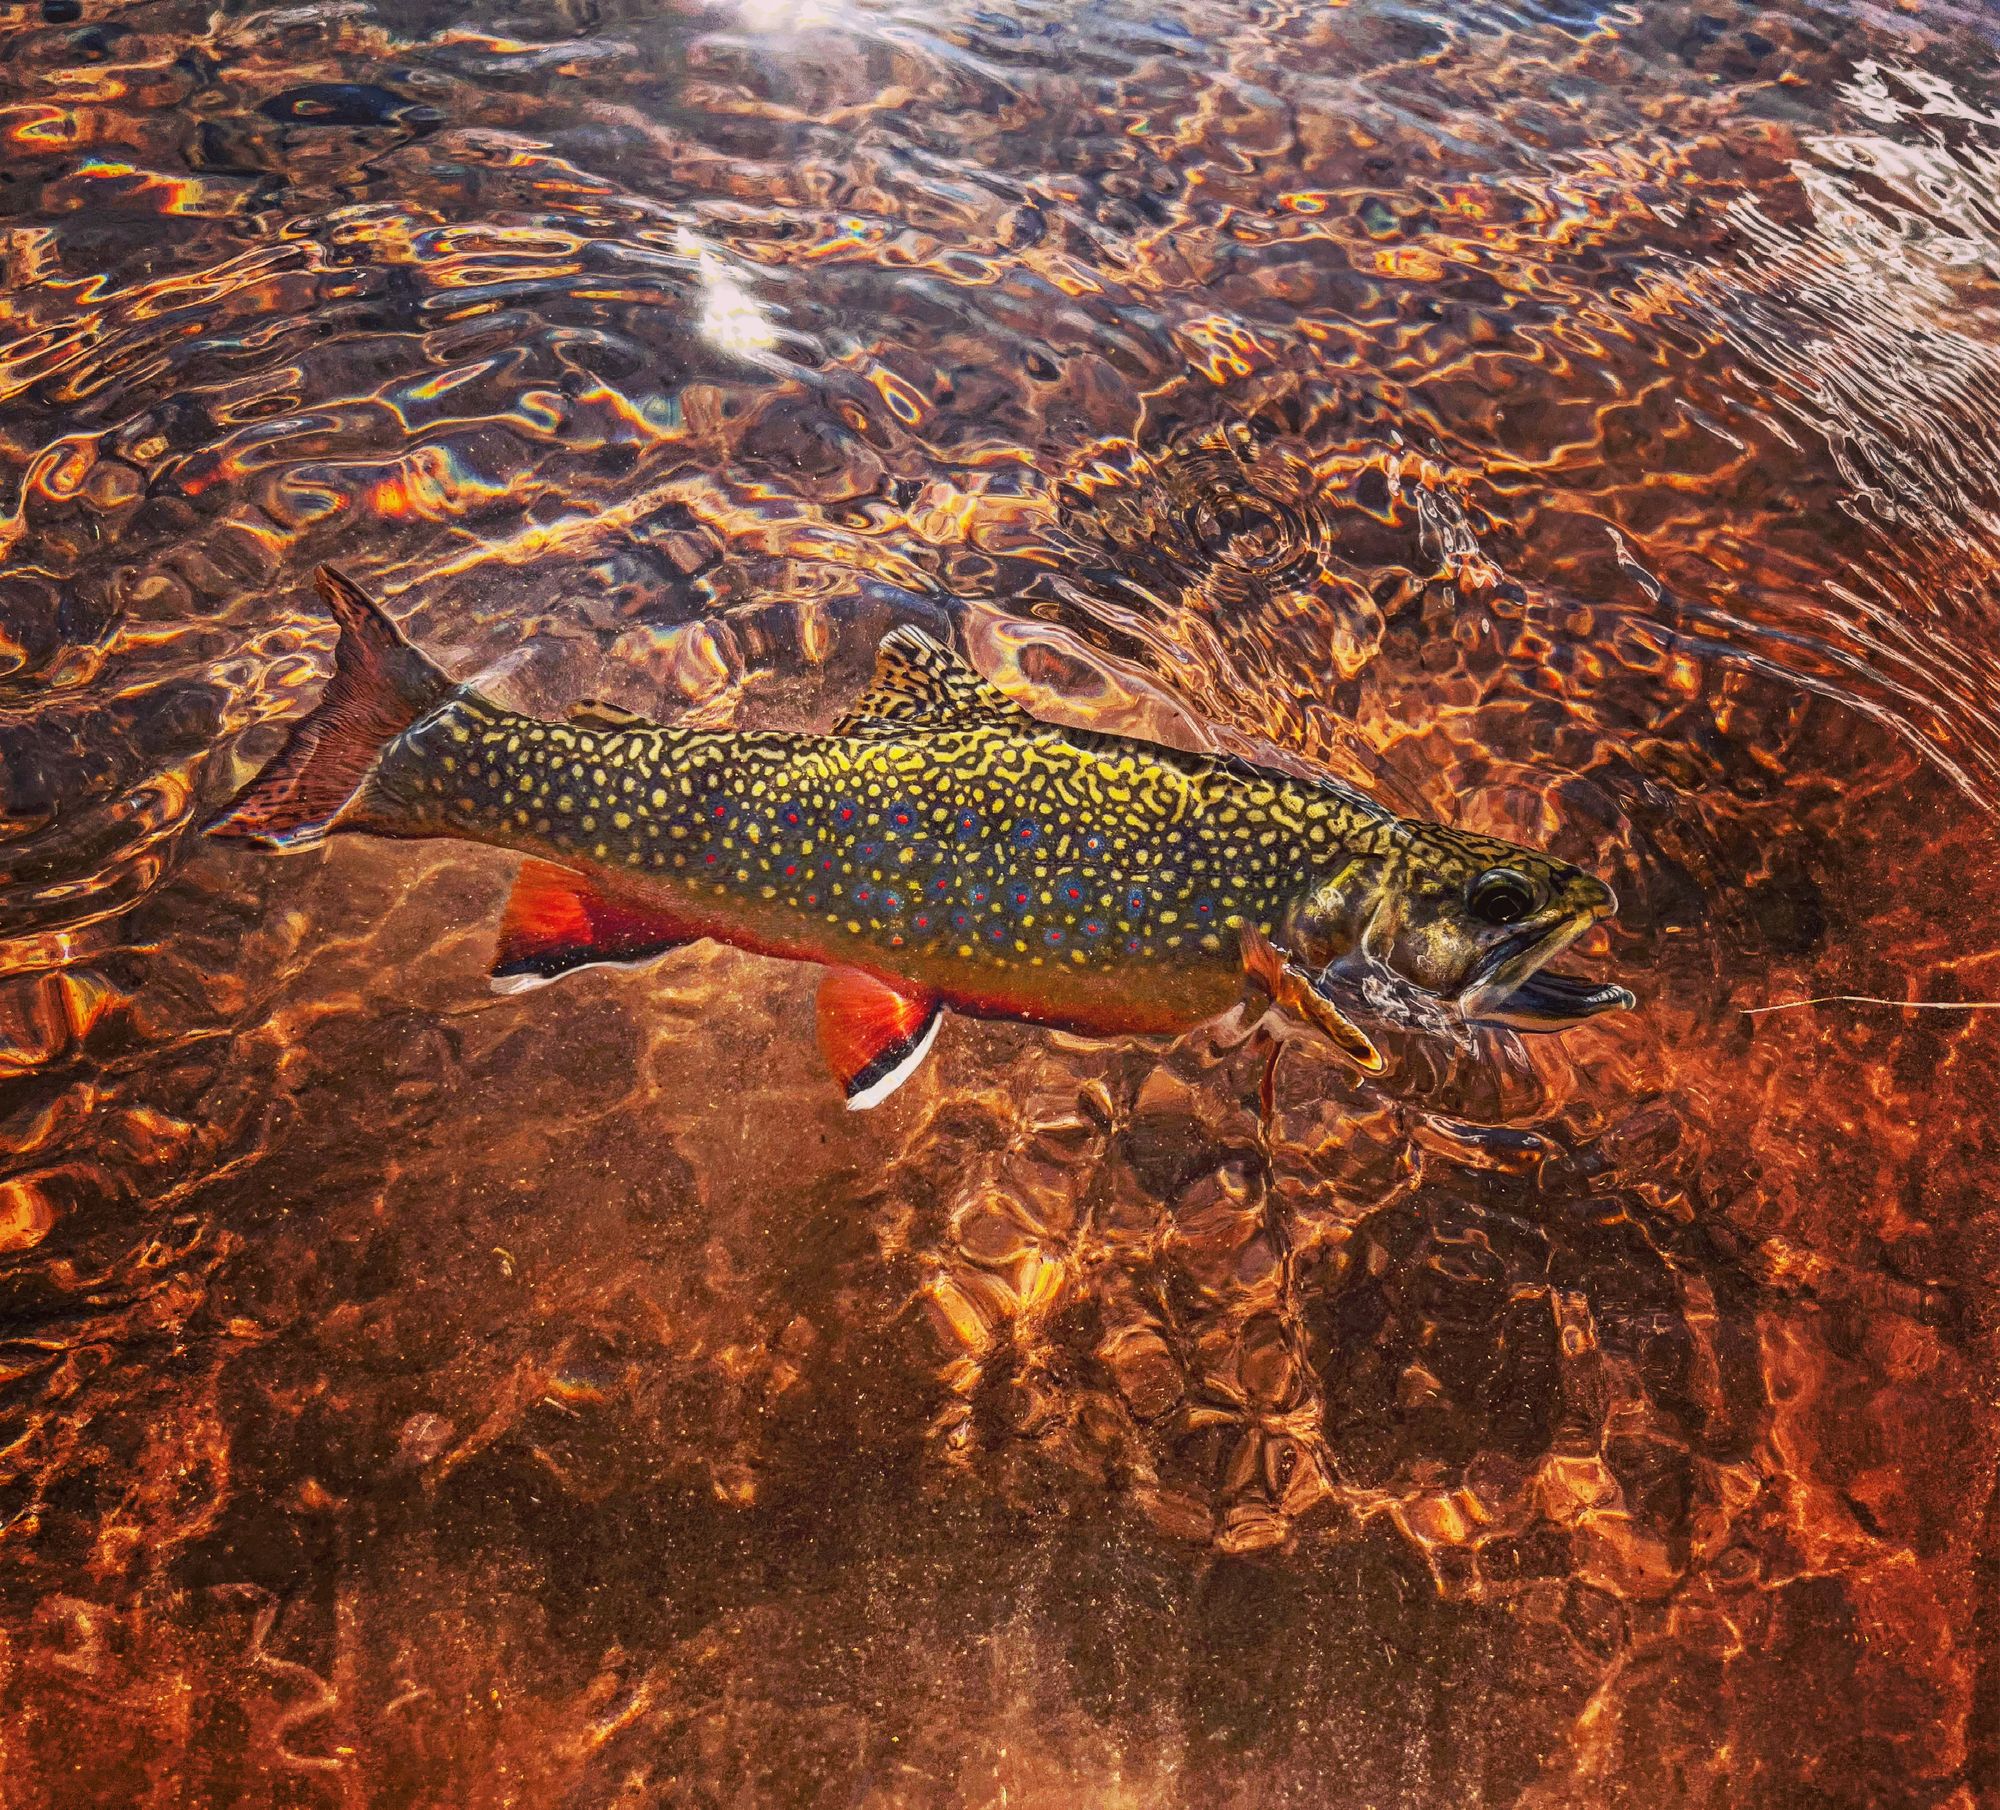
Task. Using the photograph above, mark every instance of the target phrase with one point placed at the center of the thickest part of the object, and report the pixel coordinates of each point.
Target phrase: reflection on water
(1577, 423)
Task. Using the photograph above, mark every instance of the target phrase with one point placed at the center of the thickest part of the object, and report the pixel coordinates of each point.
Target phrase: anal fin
(874, 1036)
(558, 920)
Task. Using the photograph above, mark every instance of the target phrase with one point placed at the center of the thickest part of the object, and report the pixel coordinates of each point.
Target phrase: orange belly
(1140, 997)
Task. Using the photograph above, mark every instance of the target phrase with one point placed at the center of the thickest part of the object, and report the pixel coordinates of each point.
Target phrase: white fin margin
(878, 1091)
(527, 983)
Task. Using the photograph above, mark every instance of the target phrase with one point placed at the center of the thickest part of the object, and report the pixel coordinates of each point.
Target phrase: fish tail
(380, 686)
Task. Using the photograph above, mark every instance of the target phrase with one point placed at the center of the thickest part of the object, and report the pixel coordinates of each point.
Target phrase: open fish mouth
(1551, 1002)
(1513, 988)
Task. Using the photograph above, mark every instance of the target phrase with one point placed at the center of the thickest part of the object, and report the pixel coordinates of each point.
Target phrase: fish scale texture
(1002, 862)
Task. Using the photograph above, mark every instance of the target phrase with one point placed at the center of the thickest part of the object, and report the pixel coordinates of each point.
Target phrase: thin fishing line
(1873, 999)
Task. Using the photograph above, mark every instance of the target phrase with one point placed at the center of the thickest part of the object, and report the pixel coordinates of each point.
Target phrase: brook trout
(940, 848)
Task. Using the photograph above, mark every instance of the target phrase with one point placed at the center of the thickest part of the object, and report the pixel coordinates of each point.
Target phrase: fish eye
(1501, 896)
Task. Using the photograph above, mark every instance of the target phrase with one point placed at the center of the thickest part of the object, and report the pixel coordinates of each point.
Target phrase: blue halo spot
(1134, 901)
(1132, 945)
(1052, 936)
(961, 920)
(844, 813)
(864, 895)
(1204, 908)
(1020, 895)
(1026, 835)
(998, 933)
(791, 816)
(891, 901)
(867, 851)
(1093, 926)
(966, 824)
(1093, 844)
(979, 893)
(902, 816)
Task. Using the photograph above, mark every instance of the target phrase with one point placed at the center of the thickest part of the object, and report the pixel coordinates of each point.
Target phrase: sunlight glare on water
(792, 15)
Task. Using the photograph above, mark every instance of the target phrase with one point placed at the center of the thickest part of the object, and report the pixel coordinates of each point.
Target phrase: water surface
(1576, 423)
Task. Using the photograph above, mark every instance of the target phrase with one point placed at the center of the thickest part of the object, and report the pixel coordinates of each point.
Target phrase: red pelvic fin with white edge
(558, 920)
(874, 1036)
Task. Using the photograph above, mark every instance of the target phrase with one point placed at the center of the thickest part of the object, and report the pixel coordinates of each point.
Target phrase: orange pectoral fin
(1295, 995)
(558, 919)
(873, 1036)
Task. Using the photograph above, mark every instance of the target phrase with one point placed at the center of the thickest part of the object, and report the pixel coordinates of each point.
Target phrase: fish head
(1466, 919)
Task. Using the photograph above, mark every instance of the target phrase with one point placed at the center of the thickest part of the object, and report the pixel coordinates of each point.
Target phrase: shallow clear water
(1576, 423)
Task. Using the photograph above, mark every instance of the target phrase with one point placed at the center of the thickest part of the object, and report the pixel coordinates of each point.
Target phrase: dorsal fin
(920, 685)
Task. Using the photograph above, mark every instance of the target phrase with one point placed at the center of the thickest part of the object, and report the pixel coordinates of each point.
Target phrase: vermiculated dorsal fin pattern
(920, 685)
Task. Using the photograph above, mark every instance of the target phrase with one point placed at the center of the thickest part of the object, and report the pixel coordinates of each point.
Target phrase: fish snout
(1592, 899)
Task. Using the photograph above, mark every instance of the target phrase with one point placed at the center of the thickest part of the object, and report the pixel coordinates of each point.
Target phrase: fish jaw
(1553, 1002)
(1511, 989)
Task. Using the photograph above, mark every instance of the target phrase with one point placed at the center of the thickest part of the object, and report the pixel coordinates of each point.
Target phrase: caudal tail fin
(380, 686)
